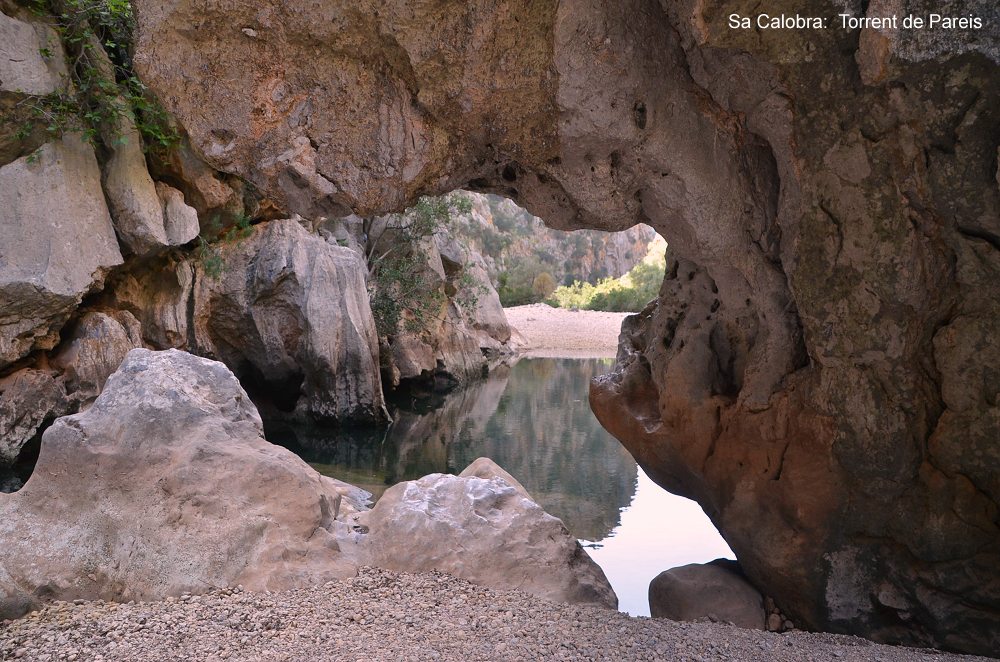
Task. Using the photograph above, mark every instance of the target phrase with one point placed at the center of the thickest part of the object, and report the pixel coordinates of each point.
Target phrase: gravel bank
(386, 616)
(561, 333)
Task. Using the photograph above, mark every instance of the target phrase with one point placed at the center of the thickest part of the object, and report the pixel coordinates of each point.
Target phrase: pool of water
(534, 420)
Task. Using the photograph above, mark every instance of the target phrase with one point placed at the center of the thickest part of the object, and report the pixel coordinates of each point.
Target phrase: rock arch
(819, 370)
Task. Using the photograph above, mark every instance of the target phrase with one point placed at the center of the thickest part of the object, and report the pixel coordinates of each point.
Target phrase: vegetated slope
(526, 260)
(629, 294)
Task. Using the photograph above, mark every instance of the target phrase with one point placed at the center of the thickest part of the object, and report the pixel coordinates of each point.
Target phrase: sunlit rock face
(819, 371)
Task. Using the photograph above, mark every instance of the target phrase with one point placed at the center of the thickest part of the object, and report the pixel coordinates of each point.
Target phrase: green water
(534, 420)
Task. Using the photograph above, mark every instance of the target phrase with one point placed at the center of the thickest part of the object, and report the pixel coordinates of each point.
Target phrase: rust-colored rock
(818, 372)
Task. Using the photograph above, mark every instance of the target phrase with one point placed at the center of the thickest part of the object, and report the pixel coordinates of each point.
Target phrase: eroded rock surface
(56, 243)
(28, 399)
(98, 345)
(165, 486)
(818, 370)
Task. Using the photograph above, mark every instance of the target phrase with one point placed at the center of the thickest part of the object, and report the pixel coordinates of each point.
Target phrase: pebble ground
(381, 615)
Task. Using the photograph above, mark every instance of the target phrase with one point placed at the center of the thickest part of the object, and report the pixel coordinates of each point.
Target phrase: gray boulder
(716, 590)
(487, 469)
(180, 220)
(22, 66)
(56, 243)
(149, 216)
(289, 313)
(131, 193)
(165, 486)
(481, 528)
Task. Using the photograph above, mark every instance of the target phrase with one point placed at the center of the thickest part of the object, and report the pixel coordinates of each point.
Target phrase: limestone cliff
(819, 372)
(94, 229)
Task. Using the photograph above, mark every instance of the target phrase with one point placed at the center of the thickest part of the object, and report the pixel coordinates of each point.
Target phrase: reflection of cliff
(545, 435)
(417, 444)
(420, 443)
(533, 419)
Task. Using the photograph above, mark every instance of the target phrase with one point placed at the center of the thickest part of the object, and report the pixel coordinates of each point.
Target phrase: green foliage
(403, 296)
(630, 293)
(212, 234)
(210, 258)
(404, 292)
(97, 36)
(516, 286)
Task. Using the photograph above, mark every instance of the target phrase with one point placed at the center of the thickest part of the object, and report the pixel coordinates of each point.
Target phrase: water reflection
(659, 530)
(533, 419)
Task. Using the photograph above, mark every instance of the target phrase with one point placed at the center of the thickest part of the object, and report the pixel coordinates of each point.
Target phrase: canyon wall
(819, 371)
(518, 246)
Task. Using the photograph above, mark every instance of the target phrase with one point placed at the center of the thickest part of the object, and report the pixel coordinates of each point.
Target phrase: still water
(533, 419)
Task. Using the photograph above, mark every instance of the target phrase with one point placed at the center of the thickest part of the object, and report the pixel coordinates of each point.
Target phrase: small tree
(401, 287)
(543, 285)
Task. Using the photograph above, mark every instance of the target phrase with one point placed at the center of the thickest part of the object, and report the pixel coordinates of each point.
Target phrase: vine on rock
(105, 94)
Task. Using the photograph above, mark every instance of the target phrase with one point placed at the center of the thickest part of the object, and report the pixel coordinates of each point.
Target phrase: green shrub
(404, 293)
(97, 36)
(628, 294)
(212, 234)
(516, 286)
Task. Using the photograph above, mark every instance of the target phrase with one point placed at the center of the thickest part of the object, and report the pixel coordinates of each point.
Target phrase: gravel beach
(556, 332)
(381, 615)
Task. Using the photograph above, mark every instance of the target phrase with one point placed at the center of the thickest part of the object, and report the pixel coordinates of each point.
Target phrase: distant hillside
(526, 260)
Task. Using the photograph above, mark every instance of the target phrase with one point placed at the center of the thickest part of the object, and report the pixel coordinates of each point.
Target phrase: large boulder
(56, 243)
(821, 349)
(483, 528)
(180, 220)
(165, 486)
(289, 313)
(716, 590)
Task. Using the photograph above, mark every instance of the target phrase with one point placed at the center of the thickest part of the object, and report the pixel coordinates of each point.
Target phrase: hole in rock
(277, 394)
(639, 114)
(14, 477)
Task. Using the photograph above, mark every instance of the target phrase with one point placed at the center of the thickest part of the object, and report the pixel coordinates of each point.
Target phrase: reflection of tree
(534, 420)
